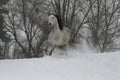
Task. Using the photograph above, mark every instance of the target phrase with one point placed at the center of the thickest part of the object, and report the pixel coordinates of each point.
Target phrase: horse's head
(52, 20)
(55, 19)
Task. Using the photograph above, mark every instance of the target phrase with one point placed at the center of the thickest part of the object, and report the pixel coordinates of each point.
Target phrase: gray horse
(60, 35)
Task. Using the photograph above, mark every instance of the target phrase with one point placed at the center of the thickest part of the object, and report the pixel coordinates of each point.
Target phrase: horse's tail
(74, 41)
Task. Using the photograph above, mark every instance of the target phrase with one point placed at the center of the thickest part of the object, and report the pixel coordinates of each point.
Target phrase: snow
(76, 65)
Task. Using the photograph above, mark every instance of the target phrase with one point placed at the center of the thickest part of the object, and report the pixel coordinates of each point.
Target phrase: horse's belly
(59, 39)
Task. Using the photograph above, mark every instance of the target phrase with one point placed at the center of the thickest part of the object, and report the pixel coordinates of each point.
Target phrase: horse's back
(60, 38)
(66, 35)
(66, 29)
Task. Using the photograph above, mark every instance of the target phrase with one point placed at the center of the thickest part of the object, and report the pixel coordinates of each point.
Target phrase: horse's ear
(55, 15)
(49, 14)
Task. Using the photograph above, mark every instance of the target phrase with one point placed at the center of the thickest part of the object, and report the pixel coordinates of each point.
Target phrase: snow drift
(82, 66)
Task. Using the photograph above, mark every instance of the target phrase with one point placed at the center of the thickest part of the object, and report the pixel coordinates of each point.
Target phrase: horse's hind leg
(67, 47)
(63, 50)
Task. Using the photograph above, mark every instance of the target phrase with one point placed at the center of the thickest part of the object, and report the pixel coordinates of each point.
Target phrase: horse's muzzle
(50, 24)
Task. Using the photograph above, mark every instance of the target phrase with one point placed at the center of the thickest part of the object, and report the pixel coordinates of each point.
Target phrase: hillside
(80, 66)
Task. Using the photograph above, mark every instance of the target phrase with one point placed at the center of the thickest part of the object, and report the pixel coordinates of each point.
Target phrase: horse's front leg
(52, 50)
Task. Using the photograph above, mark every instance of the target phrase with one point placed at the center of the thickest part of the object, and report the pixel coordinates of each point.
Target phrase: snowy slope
(84, 66)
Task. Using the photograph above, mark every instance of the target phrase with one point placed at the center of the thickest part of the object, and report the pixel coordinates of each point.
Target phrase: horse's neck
(56, 27)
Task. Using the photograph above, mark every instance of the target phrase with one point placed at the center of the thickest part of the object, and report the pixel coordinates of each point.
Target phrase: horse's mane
(59, 22)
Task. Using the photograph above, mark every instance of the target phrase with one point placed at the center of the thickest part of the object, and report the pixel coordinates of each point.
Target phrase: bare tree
(103, 23)
(25, 23)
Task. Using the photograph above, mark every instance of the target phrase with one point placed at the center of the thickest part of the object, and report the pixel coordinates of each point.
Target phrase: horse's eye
(52, 17)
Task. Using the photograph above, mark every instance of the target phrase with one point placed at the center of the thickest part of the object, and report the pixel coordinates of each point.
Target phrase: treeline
(24, 29)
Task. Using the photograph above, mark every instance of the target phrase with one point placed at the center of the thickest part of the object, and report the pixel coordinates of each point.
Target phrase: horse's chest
(54, 37)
